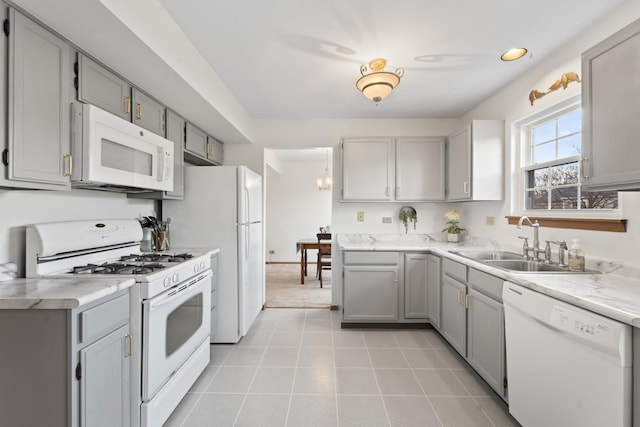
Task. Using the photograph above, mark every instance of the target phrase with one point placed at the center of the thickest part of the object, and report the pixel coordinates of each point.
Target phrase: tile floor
(298, 368)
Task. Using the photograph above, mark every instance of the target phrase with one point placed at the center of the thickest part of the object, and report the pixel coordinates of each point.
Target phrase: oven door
(117, 152)
(176, 322)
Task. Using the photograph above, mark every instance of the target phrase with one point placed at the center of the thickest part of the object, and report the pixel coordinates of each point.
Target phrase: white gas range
(175, 296)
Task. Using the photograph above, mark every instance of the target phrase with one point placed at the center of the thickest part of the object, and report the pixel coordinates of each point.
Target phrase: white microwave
(115, 155)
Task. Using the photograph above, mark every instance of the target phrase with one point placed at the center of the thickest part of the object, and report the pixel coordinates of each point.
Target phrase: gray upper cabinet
(102, 88)
(37, 153)
(393, 169)
(475, 162)
(367, 169)
(420, 169)
(215, 150)
(148, 113)
(195, 145)
(610, 108)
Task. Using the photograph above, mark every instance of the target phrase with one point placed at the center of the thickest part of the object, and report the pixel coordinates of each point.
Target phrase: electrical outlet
(491, 220)
(271, 252)
(360, 216)
(386, 220)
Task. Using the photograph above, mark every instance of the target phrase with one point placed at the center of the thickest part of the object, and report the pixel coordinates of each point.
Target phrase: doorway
(296, 209)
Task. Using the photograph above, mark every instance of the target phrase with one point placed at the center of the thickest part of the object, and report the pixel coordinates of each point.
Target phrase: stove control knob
(196, 268)
(167, 281)
(202, 265)
(175, 278)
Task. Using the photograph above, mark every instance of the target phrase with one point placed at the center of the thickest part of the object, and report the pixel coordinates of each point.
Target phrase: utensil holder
(162, 240)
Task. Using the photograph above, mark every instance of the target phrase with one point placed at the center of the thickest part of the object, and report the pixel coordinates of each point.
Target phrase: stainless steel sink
(526, 266)
(488, 255)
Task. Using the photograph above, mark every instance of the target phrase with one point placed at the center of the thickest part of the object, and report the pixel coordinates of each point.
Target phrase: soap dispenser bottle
(576, 256)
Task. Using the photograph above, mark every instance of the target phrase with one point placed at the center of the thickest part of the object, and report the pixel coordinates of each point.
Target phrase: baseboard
(344, 325)
(282, 262)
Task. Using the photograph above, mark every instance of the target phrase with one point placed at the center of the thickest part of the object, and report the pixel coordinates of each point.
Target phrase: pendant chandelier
(325, 183)
(377, 84)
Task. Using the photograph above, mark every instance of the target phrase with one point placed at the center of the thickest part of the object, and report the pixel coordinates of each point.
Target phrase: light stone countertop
(57, 293)
(614, 294)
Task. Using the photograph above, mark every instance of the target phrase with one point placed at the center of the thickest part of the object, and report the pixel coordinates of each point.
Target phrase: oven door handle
(177, 293)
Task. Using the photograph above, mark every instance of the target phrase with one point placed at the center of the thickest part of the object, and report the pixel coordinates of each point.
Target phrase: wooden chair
(324, 254)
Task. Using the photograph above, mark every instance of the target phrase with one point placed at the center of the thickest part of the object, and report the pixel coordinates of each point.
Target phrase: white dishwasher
(566, 366)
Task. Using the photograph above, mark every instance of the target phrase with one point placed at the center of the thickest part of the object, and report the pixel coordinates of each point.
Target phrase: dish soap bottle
(576, 256)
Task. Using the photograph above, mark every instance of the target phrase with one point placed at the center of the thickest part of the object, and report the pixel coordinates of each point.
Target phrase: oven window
(118, 156)
(183, 322)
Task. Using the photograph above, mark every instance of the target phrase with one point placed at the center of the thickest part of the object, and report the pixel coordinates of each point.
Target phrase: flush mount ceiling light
(513, 54)
(377, 84)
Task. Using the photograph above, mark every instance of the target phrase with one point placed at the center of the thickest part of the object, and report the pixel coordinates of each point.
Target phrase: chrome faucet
(536, 239)
(562, 246)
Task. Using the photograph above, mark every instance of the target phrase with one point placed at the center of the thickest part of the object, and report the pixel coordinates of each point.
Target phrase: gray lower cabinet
(68, 367)
(105, 392)
(370, 287)
(37, 152)
(472, 321)
(434, 271)
(485, 331)
(416, 293)
(453, 317)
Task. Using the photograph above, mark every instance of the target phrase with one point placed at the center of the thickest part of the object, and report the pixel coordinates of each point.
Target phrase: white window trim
(523, 156)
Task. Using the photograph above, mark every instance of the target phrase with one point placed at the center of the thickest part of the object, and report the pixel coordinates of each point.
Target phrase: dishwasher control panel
(590, 327)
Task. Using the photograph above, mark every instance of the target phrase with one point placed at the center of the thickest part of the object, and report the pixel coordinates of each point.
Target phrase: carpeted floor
(284, 288)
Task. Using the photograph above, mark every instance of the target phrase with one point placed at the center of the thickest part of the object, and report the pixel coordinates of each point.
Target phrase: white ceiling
(301, 58)
(224, 63)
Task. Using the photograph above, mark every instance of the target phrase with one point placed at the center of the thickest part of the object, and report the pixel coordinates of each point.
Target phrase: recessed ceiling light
(513, 54)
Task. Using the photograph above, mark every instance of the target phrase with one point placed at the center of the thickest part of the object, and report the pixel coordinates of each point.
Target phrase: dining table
(302, 246)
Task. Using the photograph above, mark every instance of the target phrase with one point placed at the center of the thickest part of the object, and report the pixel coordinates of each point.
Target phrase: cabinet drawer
(370, 257)
(486, 283)
(102, 319)
(454, 269)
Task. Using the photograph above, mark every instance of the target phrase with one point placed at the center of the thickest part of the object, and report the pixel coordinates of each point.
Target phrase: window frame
(521, 129)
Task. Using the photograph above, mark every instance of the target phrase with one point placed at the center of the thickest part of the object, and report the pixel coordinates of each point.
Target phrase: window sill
(595, 224)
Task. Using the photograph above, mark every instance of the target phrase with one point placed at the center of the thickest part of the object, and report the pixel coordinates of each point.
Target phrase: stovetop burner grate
(117, 268)
(156, 257)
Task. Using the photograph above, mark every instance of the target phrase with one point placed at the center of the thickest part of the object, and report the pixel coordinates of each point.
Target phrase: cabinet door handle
(582, 167)
(69, 157)
(460, 297)
(395, 280)
(129, 348)
(127, 103)
(397, 191)
(386, 191)
(467, 298)
(139, 111)
(465, 187)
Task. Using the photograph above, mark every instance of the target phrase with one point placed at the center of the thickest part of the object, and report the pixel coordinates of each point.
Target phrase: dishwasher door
(566, 366)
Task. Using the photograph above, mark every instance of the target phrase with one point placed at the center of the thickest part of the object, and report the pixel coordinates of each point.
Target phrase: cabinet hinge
(76, 83)
(504, 382)
(78, 372)
(5, 157)
(6, 27)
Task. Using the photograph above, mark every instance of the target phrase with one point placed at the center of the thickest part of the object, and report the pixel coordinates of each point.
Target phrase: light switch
(491, 220)
(360, 216)
(386, 220)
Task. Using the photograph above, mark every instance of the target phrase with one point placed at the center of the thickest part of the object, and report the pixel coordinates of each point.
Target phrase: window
(552, 175)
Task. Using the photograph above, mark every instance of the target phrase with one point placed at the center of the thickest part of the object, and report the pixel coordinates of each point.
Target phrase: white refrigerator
(222, 208)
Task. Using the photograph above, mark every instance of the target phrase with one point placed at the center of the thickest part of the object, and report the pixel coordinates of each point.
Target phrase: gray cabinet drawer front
(489, 285)
(370, 257)
(454, 269)
(104, 318)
